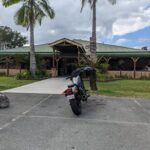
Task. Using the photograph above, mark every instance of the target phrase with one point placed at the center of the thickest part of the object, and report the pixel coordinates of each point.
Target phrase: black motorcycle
(76, 92)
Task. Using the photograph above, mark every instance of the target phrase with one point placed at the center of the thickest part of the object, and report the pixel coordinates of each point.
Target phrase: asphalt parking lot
(45, 122)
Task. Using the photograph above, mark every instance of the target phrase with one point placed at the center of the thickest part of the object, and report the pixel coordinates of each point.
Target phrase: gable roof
(65, 40)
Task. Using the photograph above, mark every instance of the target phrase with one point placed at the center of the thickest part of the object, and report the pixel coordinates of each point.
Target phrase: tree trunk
(32, 48)
(93, 80)
(93, 38)
(93, 48)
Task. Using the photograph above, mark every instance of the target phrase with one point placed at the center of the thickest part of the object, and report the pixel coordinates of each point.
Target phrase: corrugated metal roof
(124, 54)
(107, 48)
(44, 48)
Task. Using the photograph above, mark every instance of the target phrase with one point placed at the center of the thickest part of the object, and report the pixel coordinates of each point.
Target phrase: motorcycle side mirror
(68, 77)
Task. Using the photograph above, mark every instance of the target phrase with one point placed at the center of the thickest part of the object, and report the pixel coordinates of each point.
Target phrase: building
(64, 55)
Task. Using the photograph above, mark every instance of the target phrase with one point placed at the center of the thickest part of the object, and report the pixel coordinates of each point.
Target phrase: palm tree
(93, 7)
(93, 59)
(30, 13)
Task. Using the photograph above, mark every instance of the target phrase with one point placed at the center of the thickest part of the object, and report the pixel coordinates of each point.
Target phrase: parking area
(45, 122)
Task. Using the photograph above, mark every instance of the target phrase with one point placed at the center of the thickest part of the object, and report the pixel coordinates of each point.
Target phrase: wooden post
(78, 56)
(134, 67)
(100, 58)
(19, 68)
(65, 66)
(53, 58)
(7, 66)
(54, 69)
(107, 59)
(57, 60)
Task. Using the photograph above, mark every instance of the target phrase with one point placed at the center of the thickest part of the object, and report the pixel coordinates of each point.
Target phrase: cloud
(133, 22)
(143, 40)
(121, 41)
(124, 17)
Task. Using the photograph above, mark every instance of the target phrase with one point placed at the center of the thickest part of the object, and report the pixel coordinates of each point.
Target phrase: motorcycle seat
(71, 85)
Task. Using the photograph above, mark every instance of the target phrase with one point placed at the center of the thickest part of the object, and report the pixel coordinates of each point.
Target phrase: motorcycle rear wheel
(75, 106)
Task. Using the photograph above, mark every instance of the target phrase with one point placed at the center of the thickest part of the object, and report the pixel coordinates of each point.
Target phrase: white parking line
(24, 113)
(36, 105)
(140, 105)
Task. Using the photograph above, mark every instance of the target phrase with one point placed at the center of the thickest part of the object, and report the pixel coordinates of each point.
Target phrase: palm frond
(40, 10)
(47, 9)
(112, 1)
(22, 16)
(83, 2)
(8, 3)
(38, 14)
(50, 12)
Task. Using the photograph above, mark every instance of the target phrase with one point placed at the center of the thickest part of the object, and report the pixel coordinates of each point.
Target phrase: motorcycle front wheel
(75, 106)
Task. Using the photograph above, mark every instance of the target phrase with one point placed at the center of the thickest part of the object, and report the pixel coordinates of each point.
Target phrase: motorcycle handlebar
(69, 77)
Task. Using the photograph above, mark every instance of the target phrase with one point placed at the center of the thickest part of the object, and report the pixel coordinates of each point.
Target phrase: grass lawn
(123, 88)
(11, 82)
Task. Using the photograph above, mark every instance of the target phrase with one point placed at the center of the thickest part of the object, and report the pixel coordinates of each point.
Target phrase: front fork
(77, 97)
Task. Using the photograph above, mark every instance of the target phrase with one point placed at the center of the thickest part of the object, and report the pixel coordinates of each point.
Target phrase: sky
(125, 24)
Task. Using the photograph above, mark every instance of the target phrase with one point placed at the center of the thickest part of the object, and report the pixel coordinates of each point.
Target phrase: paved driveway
(45, 122)
(48, 86)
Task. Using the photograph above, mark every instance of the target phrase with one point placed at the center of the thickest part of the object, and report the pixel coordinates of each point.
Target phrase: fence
(130, 74)
(13, 72)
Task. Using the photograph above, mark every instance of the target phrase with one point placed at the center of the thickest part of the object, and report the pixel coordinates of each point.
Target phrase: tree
(11, 39)
(93, 59)
(30, 13)
(93, 7)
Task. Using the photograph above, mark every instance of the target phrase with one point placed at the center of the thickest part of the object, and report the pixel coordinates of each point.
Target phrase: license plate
(70, 97)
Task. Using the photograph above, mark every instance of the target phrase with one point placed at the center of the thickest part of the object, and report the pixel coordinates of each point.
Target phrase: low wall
(139, 74)
(130, 74)
(13, 72)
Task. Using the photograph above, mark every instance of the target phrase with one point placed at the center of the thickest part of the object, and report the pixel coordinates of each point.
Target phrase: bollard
(4, 101)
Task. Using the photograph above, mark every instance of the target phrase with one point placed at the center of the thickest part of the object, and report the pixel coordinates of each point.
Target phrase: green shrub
(145, 78)
(2, 74)
(48, 74)
(101, 76)
(103, 68)
(24, 75)
(40, 73)
(104, 76)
